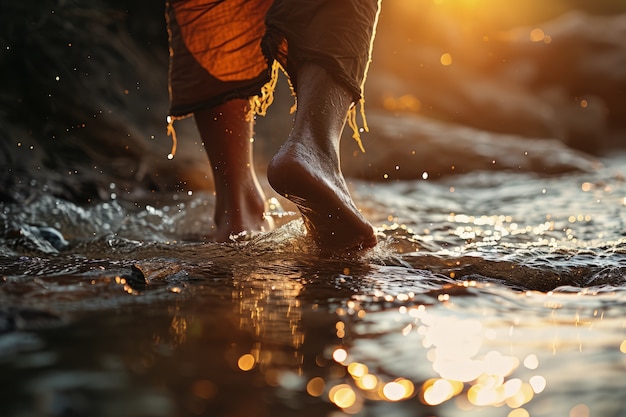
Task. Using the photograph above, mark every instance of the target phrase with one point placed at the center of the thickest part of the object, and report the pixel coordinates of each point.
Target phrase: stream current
(489, 294)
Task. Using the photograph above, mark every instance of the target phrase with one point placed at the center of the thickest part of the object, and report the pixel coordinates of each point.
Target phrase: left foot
(239, 202)
(245, 214)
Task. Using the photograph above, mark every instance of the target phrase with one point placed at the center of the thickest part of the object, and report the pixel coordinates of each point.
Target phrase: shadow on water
(516, 311)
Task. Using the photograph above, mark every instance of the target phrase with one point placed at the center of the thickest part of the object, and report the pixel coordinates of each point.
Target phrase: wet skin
(239, 199)
(306, 169)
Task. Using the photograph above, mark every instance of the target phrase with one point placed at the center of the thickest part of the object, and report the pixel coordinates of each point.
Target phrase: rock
(37, 239)
(154, 272)
(407, 146)
(96, 119)
(566, 81)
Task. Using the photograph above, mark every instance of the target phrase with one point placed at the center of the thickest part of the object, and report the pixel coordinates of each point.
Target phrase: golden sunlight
(393, 391)
(342, 395)
(531, 361)
(537, 35)
(368, 382)
(340, 355)
(437, 391)
(315, 387)
(519, 412)
(357, 370)
(246, 362)
(538, 383)
(446, 59)
(398, 390)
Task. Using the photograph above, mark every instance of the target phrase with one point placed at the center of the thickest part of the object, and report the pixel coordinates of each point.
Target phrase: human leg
(208, 82)
(325, 47)
(307, 171)
(215, 66)
(239, 199)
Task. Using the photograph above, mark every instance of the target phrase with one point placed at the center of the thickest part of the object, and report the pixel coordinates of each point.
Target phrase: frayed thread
(352, 112)
(352, 122)
(260, 103)
(172, 132)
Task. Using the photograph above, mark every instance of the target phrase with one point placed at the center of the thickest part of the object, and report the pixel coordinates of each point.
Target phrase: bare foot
(312, 179)
(244, 215)
(239, 200)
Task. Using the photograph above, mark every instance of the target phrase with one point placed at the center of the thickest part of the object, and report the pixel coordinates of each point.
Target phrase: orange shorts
(226, 49)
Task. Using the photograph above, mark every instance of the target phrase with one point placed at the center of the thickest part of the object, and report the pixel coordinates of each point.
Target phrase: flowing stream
(490, 294)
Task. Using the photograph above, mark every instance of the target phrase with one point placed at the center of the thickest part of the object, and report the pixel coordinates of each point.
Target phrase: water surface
(491, 294)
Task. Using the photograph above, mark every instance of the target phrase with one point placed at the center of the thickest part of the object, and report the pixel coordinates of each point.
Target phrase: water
(499, 294)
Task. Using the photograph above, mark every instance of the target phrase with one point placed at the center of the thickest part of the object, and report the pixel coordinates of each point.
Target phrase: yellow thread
(351, 119)
(362, 104)
(352, 112)
(172, 132)
(260, 103)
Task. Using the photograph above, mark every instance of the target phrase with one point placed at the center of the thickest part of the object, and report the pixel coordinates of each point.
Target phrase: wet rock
(583, 56)
(43, 239)
(413, 147)
(560, 79)
(136, 279)
(154, 272)
(102, 120)
(97, 114)
(611, 276)
(52, 236)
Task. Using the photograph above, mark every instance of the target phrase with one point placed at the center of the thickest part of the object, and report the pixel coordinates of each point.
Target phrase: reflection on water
(471, 358)
(489, 295)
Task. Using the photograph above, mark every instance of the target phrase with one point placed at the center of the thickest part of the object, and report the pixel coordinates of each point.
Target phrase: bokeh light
(315, 387)
(580, 410)
(340, 355)
(246, 362)
(519, 412)
(538, 383)
(342, 395)
(446, 59)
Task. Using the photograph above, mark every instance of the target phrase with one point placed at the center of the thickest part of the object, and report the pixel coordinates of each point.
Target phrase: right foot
(312, 179)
